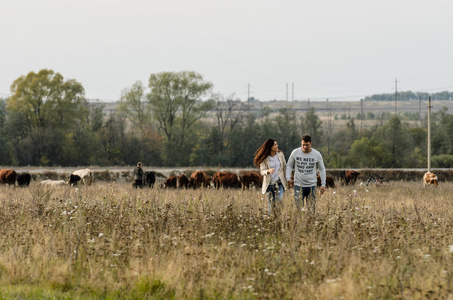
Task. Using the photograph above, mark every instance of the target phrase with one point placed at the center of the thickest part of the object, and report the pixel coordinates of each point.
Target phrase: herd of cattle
(224, 179)
(196, 180)
(10, 177)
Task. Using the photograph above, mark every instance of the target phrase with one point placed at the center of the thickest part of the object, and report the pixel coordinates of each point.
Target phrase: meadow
(109, 241)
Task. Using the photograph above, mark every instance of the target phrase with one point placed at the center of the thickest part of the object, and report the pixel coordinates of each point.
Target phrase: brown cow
(8, 176)
(349, 176)
(329, 181)
(430, 179)
(251, 177)
(183, 181)
(226, 180)
(198, 179)
(170, 183)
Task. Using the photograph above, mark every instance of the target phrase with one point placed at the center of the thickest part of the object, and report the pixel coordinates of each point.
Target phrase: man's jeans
(272, 191)
(308, 193)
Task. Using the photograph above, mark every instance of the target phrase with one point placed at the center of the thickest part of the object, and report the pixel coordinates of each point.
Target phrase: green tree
(312, 125)
(419, 138)
(45, 99)
(285, 127)
(137, 109)
(442, 161)
(96, 117)
(4, 159)
(113, 140)
(395, 137)
(43, 109)
(176, 102)
(442, 132)
(342, 141)
(368, 153)
(245, 140)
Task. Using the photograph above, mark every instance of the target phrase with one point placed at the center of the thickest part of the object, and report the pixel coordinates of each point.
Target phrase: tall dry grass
(110, 241)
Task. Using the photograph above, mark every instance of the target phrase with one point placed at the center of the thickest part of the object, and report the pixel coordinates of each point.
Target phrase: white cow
(86, 176)
(52, 183)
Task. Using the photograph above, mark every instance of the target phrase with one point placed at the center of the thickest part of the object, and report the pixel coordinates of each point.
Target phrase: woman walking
(272, 166)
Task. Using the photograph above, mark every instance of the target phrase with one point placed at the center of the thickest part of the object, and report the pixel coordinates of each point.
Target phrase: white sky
(336, 49)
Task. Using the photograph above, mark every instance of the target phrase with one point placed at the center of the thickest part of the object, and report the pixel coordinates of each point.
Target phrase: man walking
(305, 161)
(138, 176)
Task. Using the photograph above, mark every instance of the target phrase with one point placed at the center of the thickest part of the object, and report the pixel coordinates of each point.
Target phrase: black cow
(23, 179)
(74, 179)
(149, 179)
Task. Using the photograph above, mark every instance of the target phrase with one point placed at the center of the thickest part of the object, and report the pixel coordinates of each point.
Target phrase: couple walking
(277, 173)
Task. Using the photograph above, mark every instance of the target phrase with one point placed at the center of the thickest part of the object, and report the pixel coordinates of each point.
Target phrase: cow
(74, 179)
(53, 183)
(8, 176)
(23, 179)
(198, 179)
(329, 182)
(149, 179)
(170, 183)
(183, 181)
(349, 176)
(226, 180)
(430, 179)
(86, 176)
(251, 177)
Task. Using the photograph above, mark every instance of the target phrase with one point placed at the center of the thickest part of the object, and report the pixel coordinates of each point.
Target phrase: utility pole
(292, 95)
(429, 134)
(329, 127)
(287, 92)
(361, 113)
(420, 108)
(248, 93)
(396, 94)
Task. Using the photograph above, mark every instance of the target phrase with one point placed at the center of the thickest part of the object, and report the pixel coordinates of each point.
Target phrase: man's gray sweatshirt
(305, 166)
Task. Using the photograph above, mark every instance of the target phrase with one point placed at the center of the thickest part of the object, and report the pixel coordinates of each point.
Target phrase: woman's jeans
(308, 193)
(275, 193)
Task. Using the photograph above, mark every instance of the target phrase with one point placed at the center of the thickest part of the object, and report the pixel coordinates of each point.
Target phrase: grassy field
(108, 241)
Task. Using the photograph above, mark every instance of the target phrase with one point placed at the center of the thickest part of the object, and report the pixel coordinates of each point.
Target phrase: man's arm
(322, 174)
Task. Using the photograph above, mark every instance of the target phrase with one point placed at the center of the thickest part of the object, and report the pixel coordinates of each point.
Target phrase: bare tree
(229, 112)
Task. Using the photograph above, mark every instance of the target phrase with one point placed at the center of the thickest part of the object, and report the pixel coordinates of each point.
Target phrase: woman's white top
(265, 166)
(274, 163)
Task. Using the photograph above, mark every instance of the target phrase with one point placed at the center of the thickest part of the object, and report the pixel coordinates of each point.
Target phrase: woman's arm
(263, 169)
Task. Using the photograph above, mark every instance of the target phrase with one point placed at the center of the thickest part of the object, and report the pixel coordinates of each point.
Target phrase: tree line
(410, 96)
(175, 120)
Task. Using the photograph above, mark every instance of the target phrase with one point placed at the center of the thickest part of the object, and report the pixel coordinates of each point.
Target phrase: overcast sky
(335, 49)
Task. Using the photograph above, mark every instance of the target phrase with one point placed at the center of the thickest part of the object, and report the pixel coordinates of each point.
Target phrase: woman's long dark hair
(263, 152)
